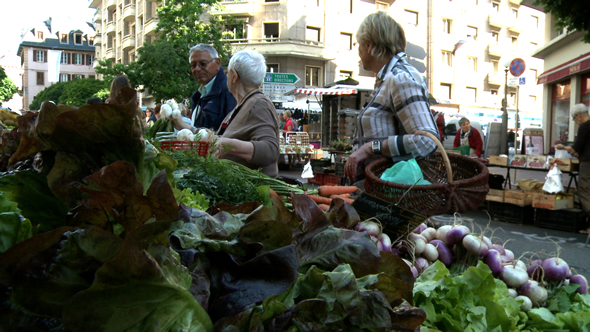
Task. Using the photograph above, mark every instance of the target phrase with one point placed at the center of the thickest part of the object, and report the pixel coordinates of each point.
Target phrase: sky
(25, 14)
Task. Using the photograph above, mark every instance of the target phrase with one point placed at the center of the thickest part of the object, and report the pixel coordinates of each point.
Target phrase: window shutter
(83, 59)
(69, 61)
(44, 56)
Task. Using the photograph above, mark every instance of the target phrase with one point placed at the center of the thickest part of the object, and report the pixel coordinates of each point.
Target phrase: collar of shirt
(390, 64)
(207, 87)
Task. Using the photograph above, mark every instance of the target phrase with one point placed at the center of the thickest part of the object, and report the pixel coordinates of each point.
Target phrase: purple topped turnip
(456, 234)
(535, 292)
(556, 269)
(580, 280)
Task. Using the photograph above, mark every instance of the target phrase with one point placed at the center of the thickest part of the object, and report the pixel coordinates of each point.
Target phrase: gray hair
(381, 30)
(578, 108)
(204, 48)
(250, 65)
(463, 121)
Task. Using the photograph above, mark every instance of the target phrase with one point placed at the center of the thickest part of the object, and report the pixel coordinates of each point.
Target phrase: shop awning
(325, 91)
(571, 67)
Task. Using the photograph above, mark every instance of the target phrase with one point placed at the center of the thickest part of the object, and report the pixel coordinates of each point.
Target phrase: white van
(451, 128)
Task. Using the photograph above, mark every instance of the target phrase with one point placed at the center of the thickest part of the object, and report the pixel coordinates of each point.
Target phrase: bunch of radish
(374, 229)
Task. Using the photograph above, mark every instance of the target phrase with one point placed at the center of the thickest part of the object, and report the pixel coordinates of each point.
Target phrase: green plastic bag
(405, 172)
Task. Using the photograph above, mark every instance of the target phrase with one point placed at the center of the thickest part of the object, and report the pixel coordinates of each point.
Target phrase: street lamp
(505, 62)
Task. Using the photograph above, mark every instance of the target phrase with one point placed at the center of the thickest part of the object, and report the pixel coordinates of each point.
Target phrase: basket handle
(442, 151)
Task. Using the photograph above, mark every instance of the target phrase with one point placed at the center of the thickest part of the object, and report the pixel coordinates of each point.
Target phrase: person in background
(157, 111)
(581, 150)
(397, 107)
(249, 135)
(439, 117)
(289, 123)
(118, 83)
(281, 121)
(93, 100)
(212, 101)
(150, 117)
(468, 136)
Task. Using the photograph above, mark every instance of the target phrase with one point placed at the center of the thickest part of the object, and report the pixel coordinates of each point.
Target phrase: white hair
(250, 65)
(579, 108)
(203, 48)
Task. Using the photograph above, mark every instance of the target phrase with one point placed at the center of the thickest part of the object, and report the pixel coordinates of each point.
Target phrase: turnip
(580, 280)
(493, 261)
(456, 234)
(526, 305)
(421, 264)
(487, 241)
(373, 228)
(535, 270)
(165, 111)
(419, 246)
(444, 254)
(500, 248)
(430, 252)
(556, 269)
(508, 256)
(512, 292)
(520, 265)
(429, 233)
(184, 135)
(412, 268)
(475, 245)
(413, 237)
(420, 228)
(441, 232)
(385, 242)
(513, 277)
(536, 293)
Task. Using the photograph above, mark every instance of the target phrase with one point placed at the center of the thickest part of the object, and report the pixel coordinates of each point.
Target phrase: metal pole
(516, 118)
(504, 130)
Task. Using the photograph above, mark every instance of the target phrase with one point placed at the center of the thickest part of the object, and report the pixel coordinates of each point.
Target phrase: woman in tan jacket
(249, 134)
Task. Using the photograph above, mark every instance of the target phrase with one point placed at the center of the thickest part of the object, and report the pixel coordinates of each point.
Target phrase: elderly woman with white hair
(581, 150)
(249, 134)
(398, 106)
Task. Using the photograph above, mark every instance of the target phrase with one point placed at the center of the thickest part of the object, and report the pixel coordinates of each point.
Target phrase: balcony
(515, 2)
(110, 28)
(97, 39)
(500, 19)
(497, 49)
(111, 3)
(496, 78)
(97, 16)
(149, 27)
(139, 42)
(109, 54)
(517, 26)
(129, 12)
(236, 8)
(128, 42)
(285, 47)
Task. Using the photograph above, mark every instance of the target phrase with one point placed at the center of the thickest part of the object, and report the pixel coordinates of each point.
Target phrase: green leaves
(570, 15)
(7, 87)
(71, 93)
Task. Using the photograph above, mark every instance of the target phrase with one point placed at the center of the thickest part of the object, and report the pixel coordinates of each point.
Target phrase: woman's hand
(355, 159)
(233, 146)
(559, 146)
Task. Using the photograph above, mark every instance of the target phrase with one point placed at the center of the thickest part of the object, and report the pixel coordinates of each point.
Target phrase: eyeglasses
(202, 64)
(574, 116)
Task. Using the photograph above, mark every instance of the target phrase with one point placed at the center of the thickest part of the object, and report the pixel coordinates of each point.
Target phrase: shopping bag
(405, 172)
(553, 181)
(307, 171)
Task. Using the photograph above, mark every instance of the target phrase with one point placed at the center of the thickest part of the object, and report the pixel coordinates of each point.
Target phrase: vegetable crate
(510, 213)
(568, 220)
(332, 180)
(202, 148)
(340, 161)
(318, 178)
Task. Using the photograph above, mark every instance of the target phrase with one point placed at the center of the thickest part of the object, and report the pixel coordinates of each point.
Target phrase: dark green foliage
(7, 87)
(71, 93)
(572, 15)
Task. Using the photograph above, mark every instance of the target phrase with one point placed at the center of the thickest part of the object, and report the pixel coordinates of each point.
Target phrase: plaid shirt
(398, 107)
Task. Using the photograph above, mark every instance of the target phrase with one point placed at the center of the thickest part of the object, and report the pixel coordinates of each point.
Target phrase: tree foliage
(7, 87)
(71, 93)
(162, 67)
(572, 15)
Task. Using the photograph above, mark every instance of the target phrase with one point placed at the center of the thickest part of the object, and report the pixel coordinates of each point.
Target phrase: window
(92, 77)
(312, 34)
(532, 101)
(445, 90)
(89, 59)
(272, 68)
(472, 63)
(495, 36)
(78, 38)
(346, 41)
(64, 58)
(77, 59)
(63, 38)
(411, 17)
(514, 13)
(90, 40)
(514, 41)
(63, 77)
(472, 32)
(495, 66)
(380, 6)
(495, 6)
(40, 35)
(235, 31)
(312, 76)
(77, 77)
(447, 58)
(471, 94)
(346, 6)
(533, 73)
(271, 0)
(494, 92)
(447, 25)
(535, 21)
(40, 56)
(40, 78)
(271, 30)
(344, 74)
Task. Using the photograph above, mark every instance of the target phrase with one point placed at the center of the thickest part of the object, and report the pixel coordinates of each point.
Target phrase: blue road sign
(517, 67)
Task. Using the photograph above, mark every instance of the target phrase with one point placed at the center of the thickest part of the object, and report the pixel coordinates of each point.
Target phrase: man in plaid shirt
(398, 106)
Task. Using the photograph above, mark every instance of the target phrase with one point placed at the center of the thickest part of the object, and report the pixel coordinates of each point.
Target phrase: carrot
(347, 200)
(340, 196)
(321, 200)
(324, 207)
(326, 191)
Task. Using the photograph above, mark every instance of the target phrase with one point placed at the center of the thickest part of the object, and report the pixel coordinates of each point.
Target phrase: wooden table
(573, 174)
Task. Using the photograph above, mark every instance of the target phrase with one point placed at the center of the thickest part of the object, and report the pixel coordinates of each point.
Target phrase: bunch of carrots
(327, 193)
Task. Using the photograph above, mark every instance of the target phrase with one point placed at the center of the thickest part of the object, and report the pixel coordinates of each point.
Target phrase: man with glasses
(581, 150)
(212, 101)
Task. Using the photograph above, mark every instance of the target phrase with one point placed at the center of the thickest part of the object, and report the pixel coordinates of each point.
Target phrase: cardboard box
(495, 195)
(536, 162)
(550, 202)
(497, 160)
(518, 197)
(566, 164)
(518, 160)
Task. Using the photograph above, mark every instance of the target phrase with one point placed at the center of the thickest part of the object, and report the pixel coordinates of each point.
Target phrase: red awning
(326, 91)
(571, 67)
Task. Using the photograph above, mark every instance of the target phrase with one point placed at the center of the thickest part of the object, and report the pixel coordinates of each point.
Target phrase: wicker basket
(445, 195)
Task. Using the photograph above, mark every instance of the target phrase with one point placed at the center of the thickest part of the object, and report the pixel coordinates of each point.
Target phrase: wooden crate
(497, 160)
(518, 160)
(518, 197)
(495, 195)
(566, 164)
(550, 202)
(539, 162)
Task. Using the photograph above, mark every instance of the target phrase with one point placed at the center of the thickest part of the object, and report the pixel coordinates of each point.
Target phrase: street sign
(516, 81)
(281, 98)
(517, 67)
(281, 78)
(521, 80)
(268, 88)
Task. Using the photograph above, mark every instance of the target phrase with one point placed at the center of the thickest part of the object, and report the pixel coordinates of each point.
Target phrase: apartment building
(54, 56)
(565, 78)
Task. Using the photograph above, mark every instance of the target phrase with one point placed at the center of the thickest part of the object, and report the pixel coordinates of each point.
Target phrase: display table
(573, 174)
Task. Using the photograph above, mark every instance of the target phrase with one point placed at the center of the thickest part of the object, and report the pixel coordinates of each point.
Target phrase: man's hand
(559, 146)
(355, 159)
